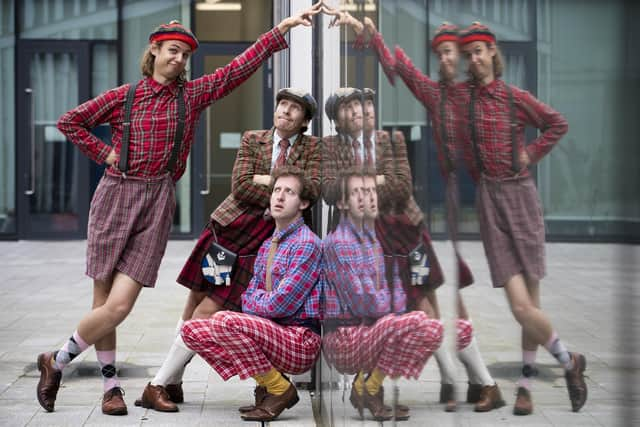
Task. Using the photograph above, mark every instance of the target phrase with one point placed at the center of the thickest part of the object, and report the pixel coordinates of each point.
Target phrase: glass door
(248, 107)
(53, 175)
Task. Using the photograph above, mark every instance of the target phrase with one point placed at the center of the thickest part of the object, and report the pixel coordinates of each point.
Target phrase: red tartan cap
(477, 32)
(174, 30)
(446, 32)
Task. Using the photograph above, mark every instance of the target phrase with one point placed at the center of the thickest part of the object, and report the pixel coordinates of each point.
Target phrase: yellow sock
(273, 381)
(374, 382)
(358, 384)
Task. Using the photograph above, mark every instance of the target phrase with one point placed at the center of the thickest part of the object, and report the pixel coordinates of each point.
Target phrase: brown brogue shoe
(49, 381)
(259, 393)
(448, 397)
(524, 404)
(113, 403)
(273, 405)
(490, 398)
(176, 395)
(375, 404)
(473, 393)
(156, 397)
(576, 385)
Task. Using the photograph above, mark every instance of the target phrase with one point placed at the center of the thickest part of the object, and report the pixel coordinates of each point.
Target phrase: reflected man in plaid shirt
(278, 331)
(366, 331)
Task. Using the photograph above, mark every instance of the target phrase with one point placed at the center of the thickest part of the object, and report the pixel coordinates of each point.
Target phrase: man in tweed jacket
(241, 223)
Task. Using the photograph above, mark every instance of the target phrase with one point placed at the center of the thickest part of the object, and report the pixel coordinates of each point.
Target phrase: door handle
(207, 151)
(32, 179)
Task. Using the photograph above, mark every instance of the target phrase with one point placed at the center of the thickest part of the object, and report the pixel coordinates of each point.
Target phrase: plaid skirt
(512, 228)
(129, 223)
(244, 237)
(398, 237)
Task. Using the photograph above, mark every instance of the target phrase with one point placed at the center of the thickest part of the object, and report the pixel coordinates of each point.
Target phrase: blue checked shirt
(351, 260)
(295, 272)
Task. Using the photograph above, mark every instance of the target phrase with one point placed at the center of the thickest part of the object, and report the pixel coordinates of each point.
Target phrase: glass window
(7, 120)
(64, 19)
(588, 183)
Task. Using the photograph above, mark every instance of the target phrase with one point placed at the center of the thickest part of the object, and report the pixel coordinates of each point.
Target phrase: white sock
(179, 355)
(445, 363)
(472, 359)
(179, 326)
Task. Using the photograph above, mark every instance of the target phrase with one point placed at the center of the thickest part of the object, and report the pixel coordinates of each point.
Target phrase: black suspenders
(512, 125)
(443, 128)
(126, 130)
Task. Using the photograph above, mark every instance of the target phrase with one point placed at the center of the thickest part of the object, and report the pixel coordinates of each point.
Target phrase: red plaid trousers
(245, 345)
(398, 345)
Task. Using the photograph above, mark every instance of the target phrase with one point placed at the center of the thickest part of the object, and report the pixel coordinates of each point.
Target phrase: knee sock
(559, 351)
(273, 380)
(374, 382)
(476, 368)
(528, 369)
(173, 366)
(69, 351)
(107, 360)
(358, 384)
(445, 363)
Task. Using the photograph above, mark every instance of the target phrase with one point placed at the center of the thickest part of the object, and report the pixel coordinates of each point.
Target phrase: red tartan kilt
(244, 237)
(399, 237)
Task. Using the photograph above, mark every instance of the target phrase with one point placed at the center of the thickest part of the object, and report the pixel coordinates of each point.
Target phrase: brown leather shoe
(490, 398)
(49, 383)
(272, 405)
(260, 392)
(113, 403)
(156, 397)
(357, 401)
(576, 385)
(523, 405)
(448, 396)
(176, 395)
(375, 404)
(473, 393)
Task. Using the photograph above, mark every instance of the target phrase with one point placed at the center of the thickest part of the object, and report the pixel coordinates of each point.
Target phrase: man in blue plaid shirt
(278, 330)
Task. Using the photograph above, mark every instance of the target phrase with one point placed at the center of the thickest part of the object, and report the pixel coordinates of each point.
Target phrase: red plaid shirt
(154, 114)
(429, 93)
(493, 128)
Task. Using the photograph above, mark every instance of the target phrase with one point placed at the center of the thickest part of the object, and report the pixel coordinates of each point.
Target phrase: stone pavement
(591, 296)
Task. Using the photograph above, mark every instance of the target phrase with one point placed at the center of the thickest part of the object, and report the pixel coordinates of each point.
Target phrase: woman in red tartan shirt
(509, 209)
(125, 242)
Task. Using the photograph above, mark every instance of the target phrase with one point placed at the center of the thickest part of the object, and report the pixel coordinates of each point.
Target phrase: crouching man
(278, 331)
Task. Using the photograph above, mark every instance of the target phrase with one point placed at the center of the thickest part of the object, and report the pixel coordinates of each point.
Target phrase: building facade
(574, 55)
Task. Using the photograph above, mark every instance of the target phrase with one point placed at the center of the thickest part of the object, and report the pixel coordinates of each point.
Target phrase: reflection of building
(57, 53)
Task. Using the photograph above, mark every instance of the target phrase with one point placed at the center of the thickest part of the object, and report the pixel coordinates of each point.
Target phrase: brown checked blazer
(337, 155)
(254, 158)
(404, 201)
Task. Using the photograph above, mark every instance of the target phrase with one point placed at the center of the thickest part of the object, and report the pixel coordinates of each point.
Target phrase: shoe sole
(122, 411)
(143, 404)
(290, 405)
(496, 405)
(41, 368)
(521, 412)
